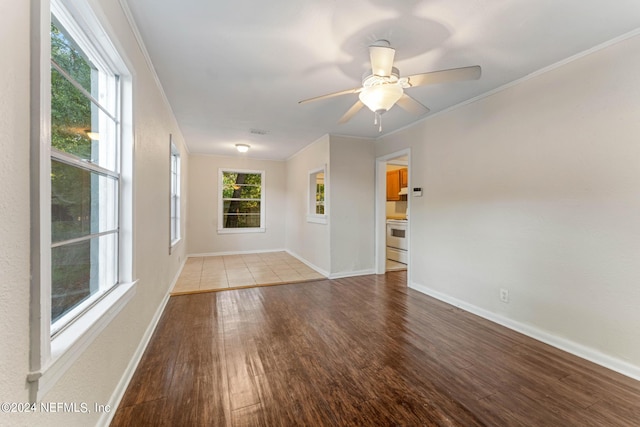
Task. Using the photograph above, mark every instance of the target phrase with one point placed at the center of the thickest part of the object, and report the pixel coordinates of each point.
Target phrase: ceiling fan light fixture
(381, 98)
(242, 148)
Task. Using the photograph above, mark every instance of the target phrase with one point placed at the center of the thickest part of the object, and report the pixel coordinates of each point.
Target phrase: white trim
(259, 251)
(69, 344)
(516, 82)
(308, 264)
(145, 53)
(117, 395)
(40, 184)
(317, 219)
(312, 216)
(344, 274)
(241, 230)
(381, 209)
(175, 199)
(584, 352)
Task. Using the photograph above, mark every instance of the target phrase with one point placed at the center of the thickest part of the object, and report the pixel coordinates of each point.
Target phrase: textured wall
(14, 204)
(535, 189)
(308, 240)
(352, 205)
(97, 373)
(203, 206)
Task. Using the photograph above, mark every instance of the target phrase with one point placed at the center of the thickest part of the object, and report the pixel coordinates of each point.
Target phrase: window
(82, 190)
(85, 177)
(317, 210)
(241, 201)
(175, 195)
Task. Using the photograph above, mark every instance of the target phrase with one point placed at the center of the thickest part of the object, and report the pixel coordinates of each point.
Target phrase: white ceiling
(230, 67)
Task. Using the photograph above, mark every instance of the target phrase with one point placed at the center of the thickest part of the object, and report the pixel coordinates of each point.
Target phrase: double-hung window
(85, 177)
(84, 190)
(241, 201)
(175, 195)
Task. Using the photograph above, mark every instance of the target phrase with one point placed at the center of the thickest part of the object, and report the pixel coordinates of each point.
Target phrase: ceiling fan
(382, 86)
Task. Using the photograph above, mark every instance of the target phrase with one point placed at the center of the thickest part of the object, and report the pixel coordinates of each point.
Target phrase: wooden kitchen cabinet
(393, 185)
(404, 177)
(396, 180)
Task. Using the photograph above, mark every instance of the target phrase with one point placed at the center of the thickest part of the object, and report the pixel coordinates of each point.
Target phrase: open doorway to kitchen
(392, 212)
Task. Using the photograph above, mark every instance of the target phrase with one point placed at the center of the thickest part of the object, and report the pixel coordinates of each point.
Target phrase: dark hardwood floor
(363, 351)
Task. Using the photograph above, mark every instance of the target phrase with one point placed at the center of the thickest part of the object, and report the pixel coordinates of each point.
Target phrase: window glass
(242, 199)
(81, 98)
(85, 180)
(175, 194)
(81, 272)
(69, 57)
(316, 203)
(75, 202)
(319, 193)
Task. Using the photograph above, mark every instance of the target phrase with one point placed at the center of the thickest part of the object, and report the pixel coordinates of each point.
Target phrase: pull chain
(377, 120)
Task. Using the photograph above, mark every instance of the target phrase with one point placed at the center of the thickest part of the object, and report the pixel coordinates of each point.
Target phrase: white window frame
(312, 216)
(51, 356)
(262, 228)
(175, 192)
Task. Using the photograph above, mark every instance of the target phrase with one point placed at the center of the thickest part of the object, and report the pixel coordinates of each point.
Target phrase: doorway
(393, 212)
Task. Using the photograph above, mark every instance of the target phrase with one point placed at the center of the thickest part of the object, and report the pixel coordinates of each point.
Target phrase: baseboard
(262, 251)
(118, 393)
(352, 273)
(331, 275)
(307, 263)
(584, 352)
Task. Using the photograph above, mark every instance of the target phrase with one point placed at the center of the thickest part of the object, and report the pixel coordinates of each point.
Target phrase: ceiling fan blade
(445, 76)
(412, 105)
(351, 112)
(331, 95)
(381, 60)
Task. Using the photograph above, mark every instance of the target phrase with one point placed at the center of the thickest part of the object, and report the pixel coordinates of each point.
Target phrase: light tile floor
(216, 273)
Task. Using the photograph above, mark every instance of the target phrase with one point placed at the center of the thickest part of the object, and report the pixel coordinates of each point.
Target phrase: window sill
(69, 344)
(173, 245)
(240, 230)
(318, 219)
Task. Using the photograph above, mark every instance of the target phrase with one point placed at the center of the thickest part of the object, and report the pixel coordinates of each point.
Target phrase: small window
(241, 201)
(317, 211)
(175, 195)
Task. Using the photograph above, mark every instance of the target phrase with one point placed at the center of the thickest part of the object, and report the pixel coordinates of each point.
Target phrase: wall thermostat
(417, 192)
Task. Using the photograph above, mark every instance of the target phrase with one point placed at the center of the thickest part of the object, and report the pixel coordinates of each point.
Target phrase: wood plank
(355, 352)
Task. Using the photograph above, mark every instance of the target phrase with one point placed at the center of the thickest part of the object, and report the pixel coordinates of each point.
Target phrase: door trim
(381, 210)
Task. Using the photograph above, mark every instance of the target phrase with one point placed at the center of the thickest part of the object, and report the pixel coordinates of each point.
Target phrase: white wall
(307, 240)
(202, 222)
(96, 375)
(14, 205)
(352, 206)
(535, 189)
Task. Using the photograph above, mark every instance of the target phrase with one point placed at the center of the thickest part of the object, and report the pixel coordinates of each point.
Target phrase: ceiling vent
(258, 131)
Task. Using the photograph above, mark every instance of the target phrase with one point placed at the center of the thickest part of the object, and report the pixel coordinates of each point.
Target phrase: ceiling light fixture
(380, 98)
(243, 148)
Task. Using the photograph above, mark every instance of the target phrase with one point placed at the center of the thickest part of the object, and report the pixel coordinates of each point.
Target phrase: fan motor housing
(369, 79)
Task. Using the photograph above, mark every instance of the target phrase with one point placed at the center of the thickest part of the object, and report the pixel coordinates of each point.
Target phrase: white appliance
(397, 245)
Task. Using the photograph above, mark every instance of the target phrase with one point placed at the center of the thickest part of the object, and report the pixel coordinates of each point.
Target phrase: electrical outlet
(504, 295)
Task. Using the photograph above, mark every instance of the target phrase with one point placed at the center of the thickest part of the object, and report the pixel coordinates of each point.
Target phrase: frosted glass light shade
(243, 148)
(381, 98)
